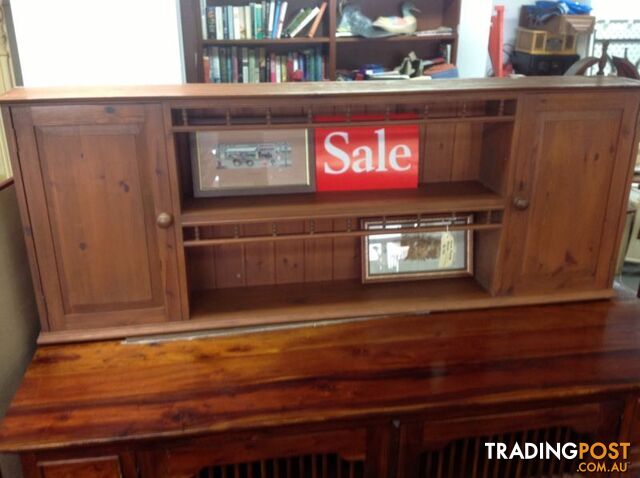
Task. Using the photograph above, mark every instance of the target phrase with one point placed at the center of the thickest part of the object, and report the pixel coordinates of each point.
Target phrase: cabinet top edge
(309, 89)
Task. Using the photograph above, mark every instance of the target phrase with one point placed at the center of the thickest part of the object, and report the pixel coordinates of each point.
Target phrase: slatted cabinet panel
(286, 454)
(456, 448)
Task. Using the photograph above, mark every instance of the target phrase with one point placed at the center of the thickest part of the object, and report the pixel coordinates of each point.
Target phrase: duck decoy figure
(354, 22)
(406, 24)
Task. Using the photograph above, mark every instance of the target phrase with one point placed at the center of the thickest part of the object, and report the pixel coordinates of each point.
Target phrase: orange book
(316, 22)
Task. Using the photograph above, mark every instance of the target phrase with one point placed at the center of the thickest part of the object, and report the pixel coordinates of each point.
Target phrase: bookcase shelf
(265, 42)
(398, 39)
(428, 199)
(340, 53)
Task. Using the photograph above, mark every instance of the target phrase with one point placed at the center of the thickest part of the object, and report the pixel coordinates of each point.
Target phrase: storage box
(542, 65)
(540, 42)
(560, 24)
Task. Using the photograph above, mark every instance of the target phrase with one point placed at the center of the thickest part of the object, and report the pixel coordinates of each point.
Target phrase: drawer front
(104, 467)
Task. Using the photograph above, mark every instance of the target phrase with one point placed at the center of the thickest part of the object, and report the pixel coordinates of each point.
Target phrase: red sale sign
(367, 157)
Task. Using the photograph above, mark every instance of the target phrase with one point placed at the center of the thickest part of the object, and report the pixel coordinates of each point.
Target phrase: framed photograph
(397, 254)
(232, 163)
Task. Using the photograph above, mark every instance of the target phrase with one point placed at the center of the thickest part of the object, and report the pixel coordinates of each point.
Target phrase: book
(305, 21)
(230, 23)
(203, 17)
(262, 65)
(224, 72)
(252, 66)
(256, 11)
(248, 22)
(235, 65)
(206, 67)
(295, 21)
(283, 14)
(220, 35)
(316, 22)
(241, 32)
(245, 65)
(265, 18)
(215, 65)
(272, 12)
(211, 23)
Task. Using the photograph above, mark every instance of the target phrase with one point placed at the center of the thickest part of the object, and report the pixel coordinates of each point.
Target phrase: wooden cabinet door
(96, 181)
(572, 176)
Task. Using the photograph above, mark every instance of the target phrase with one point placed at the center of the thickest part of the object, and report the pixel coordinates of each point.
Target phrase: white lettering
(401, 151)
(364, 164)
(337, 153)
(490, 446)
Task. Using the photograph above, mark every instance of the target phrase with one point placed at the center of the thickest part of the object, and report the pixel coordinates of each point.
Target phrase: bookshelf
(340, 53)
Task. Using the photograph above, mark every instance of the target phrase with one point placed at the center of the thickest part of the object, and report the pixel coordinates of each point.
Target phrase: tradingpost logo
(591, 457)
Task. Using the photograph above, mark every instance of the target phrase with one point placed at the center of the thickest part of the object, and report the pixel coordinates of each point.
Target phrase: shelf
(331, 300)
(398, 39)
(268, 42)
(462, 196)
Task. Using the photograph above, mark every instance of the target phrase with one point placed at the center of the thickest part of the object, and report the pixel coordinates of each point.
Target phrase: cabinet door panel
(572, 170)
(96, 180)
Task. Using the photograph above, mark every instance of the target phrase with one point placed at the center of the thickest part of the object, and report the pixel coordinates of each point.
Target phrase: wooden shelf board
(398, 39)
(268, 41)
(287, 303)
(462, 196)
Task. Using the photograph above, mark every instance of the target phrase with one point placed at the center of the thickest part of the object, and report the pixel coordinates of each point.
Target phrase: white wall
(98, 42)
(473, 47)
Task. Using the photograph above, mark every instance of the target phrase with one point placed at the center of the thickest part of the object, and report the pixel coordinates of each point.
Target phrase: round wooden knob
(521, 204)
(164, 220)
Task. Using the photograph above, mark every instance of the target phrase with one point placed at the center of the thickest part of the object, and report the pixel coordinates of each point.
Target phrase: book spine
(203, 18)
(211, 23)
(219, 24)
(301, 65)
(223, 66)
(215, 65)
(272, 13)
(293, 24)
(248, 22)
(230, 28)
(262, 65)
(206, 68)
(237, 32)
(256, 11)
(318, 58)
(235, 74)
(305, 21)
(316, 22)
(252, 65)
(273, 68)
(283, 14)
(265, 18)
(278, 70)
(245, 65)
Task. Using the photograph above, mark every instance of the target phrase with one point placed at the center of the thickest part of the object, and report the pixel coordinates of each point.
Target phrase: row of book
(258, 21)
(255, 65)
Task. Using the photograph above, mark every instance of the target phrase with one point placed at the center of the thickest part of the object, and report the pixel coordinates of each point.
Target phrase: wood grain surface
(309, 89)
(109, 392)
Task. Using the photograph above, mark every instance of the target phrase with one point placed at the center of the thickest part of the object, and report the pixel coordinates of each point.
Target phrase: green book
(297, 20)
(259, 33)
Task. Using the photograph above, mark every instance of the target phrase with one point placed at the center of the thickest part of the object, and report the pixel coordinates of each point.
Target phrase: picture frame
(404, 256)
(251, 162)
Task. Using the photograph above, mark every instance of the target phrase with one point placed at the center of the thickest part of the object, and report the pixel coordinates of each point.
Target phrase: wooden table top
(103, 392)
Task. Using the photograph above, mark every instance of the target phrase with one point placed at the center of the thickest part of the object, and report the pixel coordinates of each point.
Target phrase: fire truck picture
(253, 155)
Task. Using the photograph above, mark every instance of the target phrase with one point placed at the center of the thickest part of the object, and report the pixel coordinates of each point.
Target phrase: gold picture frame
(250, 162)
(397, 254)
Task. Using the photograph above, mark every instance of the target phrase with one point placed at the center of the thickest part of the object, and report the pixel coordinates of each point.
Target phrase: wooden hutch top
(267, 90)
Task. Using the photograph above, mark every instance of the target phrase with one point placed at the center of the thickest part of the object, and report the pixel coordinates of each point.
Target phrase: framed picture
(397, 254)
(232, 163)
